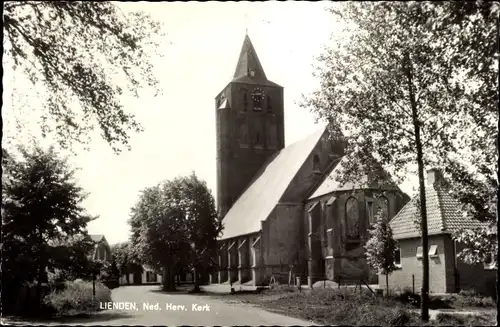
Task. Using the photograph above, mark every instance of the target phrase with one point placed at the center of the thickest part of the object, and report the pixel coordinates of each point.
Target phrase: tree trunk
(196, 280)
(423, 207)
(41, 269)
(387, 283)
(168, 279)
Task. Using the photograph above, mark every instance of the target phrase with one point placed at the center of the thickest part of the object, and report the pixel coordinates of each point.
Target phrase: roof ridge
(269, 161)
(438, 190)
(331, 166)
(412, 200)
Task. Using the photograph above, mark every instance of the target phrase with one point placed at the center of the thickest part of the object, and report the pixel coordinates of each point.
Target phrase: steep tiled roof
(443, 215)
(264, 193)
(330, 183)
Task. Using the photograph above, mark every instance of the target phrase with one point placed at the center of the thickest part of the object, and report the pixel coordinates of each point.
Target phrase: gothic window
(244, 97)
(352, 218)
(316, 163)
(269, 104)
(382, 208)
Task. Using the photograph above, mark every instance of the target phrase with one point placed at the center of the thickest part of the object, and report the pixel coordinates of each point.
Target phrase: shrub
(345, 307)
(450, 319)
(282, 288)
(76, 298)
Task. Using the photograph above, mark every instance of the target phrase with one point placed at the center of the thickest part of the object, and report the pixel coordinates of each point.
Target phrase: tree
(172, 224)
(41, 211)
(70, 258)
(381, 249)
(75, 52)
(410, 83)
(127, 261)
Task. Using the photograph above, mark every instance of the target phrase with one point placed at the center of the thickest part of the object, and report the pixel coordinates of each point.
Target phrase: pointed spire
(248, 63)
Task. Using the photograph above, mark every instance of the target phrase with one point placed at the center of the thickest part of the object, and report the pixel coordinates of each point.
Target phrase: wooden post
(93, 285)
(413, 283)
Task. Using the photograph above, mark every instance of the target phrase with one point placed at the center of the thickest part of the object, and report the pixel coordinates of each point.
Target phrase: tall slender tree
(381, 248)
(413, 85)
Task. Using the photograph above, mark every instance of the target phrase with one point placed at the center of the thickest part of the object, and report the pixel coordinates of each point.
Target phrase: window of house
(352, 218)
(419, 252)
(433, 251)
(316, 163)
(397, 257)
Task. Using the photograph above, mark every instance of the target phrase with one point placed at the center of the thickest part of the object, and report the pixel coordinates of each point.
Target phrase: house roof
(267, 188)
(330, 184)
(443, 215)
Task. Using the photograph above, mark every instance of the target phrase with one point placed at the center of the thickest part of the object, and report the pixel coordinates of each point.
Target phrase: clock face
(258, 95)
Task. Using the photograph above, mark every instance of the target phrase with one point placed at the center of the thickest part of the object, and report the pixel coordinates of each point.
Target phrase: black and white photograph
(272, 163)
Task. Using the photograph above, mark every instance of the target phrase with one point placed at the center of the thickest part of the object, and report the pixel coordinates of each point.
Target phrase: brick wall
(476, 277)
(411, 266)
(283, 243)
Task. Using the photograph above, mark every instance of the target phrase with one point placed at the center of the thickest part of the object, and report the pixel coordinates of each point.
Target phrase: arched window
(316, 163)
(352, 218)
(382, 208)
(269, 104)
(244, 97)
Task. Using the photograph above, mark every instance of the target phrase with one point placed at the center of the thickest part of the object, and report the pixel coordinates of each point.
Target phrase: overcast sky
(200, 51)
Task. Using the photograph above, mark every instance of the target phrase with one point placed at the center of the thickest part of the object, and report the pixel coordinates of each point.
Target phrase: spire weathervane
(246, 23)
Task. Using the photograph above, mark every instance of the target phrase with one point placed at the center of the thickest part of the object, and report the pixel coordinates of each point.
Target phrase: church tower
(250, 126)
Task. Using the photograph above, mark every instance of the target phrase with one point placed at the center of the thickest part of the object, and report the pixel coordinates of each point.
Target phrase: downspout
(456, 275)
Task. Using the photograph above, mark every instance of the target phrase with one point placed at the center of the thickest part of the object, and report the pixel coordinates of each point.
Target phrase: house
(283, 209)
(147, 276)
(447, 274)
(102, 251)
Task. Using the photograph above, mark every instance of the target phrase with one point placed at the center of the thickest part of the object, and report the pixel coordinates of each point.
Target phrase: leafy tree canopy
(399, 67)
(175, 224)
(81, 56)
(44, 223)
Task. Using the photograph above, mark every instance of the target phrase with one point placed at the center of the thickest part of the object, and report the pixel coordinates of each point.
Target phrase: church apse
(339, 249)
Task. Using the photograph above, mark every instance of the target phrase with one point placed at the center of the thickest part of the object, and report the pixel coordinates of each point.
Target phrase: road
(194, 310)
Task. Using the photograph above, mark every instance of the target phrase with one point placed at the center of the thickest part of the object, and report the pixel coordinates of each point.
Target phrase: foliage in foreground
(71, 50)
(44, 222)
(344, 307)
(354, 308)
(76, 298)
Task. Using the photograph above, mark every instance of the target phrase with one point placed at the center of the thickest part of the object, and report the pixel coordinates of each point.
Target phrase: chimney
(434, 176)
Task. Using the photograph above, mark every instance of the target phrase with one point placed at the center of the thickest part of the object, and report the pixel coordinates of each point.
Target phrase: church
(282, 206)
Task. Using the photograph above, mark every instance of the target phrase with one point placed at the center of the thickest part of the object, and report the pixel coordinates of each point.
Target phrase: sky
(200, 50)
